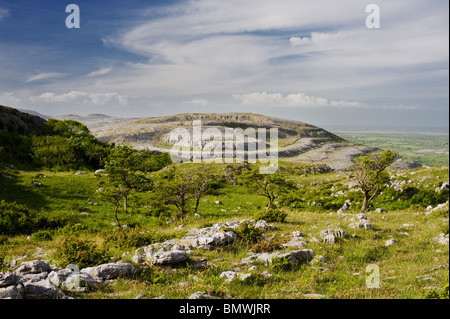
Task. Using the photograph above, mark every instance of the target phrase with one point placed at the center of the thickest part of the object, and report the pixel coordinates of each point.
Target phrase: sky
(314, 61)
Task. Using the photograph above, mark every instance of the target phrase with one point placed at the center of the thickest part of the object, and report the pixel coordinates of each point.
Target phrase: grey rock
(6, 279)
(390, 242)
(168, 257)
(58, 277)
(109, 271)
(10, 292)
(329, 239)
(362, 216)
(32, 267)
(29, 278)
(228, 275)
(295, 243)
(42, 289)
(264, 225)
(79, 280)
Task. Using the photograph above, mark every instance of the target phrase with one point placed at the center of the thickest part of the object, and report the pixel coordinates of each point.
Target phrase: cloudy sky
(309, 60)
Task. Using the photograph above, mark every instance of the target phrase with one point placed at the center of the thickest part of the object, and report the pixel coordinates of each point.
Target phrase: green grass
(415, 254)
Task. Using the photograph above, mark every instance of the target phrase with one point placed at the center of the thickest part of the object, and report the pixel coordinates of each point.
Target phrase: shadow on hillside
(12, 191)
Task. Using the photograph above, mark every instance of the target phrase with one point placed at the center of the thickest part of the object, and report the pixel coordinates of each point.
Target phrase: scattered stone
(362, 216)
(228, 275)
(168, 257)
(6, 279)
(218, 202)
(109, 271)
(380, 210)
(99, 171)
(293, 257)
(11, 292)
(442, 239)
(267, 274)
(32, 267)
(389, 242)
(42, 289)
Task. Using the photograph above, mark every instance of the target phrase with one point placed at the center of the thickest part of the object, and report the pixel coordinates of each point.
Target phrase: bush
(80, 252)
(248, 232)
(134, 238)
(42, 235)
(280, 264)
(15, 219)
(2, 257)
(438, 293)
(266, 246)
(272, 215)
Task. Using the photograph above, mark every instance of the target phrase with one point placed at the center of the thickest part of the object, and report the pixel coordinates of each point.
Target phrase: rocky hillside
(15, 121)
(298, 141)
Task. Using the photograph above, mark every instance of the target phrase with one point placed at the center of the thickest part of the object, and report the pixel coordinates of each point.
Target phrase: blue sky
(313, 61)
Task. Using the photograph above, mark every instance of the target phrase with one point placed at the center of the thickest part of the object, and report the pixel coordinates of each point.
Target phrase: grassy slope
(414, 254)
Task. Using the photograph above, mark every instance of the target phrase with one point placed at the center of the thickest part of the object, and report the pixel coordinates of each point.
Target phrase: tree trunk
(364, 204)
(125, 204)
(115, 215)
(196, 205)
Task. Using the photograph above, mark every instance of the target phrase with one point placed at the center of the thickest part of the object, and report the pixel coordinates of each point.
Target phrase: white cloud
(102, 71)
(81, 97)
(4, 13)
(303, 100)
(292, 100)
(201, 102)
(42, 76)
(9, 99)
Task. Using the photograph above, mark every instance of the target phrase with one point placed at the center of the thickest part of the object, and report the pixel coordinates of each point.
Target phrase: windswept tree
(271, 186)
(177, 190)
(124, 167)
(201, 182)
(371, 174)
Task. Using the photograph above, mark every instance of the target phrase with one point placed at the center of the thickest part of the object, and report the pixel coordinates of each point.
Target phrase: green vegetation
(69, 217)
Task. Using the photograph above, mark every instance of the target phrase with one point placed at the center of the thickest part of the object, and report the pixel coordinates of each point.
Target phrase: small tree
(178, 191)
(271, 186)
(200, 184)
(371, 174)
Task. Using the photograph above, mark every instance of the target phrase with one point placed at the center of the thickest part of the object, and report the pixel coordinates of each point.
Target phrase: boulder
(10, 292)
(109, 271)
(42, 289)
(168, 257)
(7, 279)
(32, 267)
(390, 242)
(228, 275)
(293, 256)
(77, 282)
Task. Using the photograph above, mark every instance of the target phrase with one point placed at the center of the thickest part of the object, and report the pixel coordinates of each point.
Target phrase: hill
(298, 141)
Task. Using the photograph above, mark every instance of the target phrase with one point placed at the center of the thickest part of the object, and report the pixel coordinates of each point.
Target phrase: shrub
(438, 293)
(2, 256)
(255, 280)
(280, 264)
(15, 219)
(272, 215)
(42, 235)
(134, 238)
(80, 252)
(248, 232)
(266, 246)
